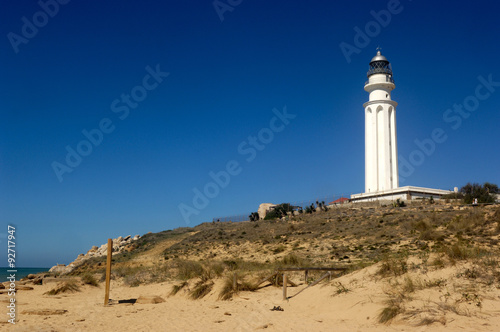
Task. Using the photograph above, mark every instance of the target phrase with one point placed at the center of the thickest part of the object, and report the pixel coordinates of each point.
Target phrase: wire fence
(296, 205)
(234, 218)
(337, 199)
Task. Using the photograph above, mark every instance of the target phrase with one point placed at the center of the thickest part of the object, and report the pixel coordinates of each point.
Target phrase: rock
(2, 286)
(149, 300)
(264, 208)
(45, 312)
(31, 276)
(137, 237)
(59, 268)
(22, 287)
(126, 238)
(37, 281)
(118, 239)
(62, 269)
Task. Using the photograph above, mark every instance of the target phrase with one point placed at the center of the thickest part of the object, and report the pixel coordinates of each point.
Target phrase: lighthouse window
(386, 95)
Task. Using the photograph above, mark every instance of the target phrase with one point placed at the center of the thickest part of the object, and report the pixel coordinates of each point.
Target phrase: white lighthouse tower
(381, 153)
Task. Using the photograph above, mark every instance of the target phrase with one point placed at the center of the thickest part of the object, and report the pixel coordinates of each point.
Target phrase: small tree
(399, 203)
(484, 193)
(254, 216)
(310, 209)
(279, 211)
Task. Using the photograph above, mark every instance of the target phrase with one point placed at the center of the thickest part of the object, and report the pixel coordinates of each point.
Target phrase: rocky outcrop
(120, 244)
(264, 208)
(58, 269)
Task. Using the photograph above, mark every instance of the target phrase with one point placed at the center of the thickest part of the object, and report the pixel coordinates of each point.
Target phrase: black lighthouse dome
(379, 65)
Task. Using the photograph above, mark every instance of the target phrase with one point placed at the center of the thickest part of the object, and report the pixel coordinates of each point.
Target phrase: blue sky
(75, 70)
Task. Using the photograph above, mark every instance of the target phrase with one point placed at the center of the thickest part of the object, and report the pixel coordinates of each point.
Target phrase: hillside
(430, 265)
(352, 236)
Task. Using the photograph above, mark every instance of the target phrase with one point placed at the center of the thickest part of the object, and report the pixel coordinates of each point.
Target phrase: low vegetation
(407, 241)
(89, 279)
(70, 286)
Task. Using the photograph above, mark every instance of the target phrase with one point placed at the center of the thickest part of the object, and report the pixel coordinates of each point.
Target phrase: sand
(324, 307)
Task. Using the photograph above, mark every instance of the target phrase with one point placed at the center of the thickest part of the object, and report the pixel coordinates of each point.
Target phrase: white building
(381, 151)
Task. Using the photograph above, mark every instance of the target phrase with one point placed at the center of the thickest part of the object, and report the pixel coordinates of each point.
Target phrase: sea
(21, 272)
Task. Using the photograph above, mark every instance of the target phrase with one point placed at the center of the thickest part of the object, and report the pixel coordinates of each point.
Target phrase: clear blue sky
(225, 78)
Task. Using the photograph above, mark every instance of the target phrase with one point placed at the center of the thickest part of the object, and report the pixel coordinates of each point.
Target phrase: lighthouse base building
(381, 152)
(403, 193)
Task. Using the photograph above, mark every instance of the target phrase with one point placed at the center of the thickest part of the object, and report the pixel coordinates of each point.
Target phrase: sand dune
(349, 303)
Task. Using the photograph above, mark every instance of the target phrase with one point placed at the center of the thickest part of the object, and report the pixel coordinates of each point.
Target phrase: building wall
(381, 161)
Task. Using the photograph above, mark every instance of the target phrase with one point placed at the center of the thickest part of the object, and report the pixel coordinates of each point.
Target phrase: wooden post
(108, 271)
(235, 282)
(284, 286)
(305, 276)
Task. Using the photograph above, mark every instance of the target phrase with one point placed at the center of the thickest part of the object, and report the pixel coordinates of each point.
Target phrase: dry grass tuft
(438, 262)
(64, 287)
(459, 251)
(188, 269)
(393, 266)
(227, 292)
(431, 320)
(410, 285)
(452, 308)
(177, 288)
(201, 289)
(89, 279)
(394, 307)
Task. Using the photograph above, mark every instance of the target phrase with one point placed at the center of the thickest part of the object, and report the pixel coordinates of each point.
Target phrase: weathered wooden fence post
(108, 271)
(285, 281)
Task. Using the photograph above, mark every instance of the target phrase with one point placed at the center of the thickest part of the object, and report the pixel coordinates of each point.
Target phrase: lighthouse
(381, 152)
(381, 145)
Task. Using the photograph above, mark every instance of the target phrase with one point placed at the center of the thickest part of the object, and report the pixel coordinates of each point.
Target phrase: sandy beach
(349, 303)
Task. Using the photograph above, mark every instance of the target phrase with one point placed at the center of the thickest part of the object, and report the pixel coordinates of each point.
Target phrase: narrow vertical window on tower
(381, 166)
